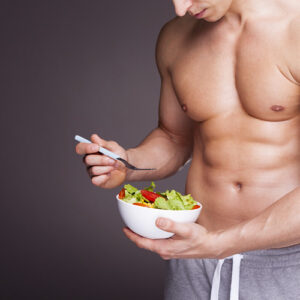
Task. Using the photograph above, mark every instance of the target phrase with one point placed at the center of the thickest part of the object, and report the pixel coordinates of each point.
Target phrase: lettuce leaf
(151, 187)
(161, 203)
(130, 189)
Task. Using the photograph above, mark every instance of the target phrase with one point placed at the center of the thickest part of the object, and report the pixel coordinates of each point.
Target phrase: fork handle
(101, 149)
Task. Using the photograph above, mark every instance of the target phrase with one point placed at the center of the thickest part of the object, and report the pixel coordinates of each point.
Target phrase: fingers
(162, 247)
(95, 138)
(84, 148)
(110, 145)
(100, 180)
(99, 170)
(98, 160)
(141, 242)
(181, 229)
(104, 171)
(100, 173)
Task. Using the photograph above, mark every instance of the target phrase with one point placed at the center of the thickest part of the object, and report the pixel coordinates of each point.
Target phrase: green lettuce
(162, 203)
(130, 189)
(174, 201)
(151, 187)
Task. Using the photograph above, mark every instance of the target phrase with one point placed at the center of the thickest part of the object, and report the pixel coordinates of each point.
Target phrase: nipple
(277, 108)
(184, 107)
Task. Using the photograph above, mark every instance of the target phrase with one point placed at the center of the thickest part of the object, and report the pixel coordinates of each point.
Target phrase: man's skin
(230, 98)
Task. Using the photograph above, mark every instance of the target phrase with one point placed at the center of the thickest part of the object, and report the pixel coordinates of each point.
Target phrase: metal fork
(111, 155)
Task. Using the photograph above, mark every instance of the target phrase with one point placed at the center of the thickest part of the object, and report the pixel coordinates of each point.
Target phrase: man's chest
(220, 74)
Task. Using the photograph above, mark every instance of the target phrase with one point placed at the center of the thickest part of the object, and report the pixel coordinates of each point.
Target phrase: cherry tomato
(196, 206)
(122, 194)
(151, 196)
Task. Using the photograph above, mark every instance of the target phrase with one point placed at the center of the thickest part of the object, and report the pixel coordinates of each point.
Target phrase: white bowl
(141, 220)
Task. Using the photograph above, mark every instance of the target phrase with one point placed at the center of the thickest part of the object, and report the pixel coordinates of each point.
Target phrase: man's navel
(238, 185)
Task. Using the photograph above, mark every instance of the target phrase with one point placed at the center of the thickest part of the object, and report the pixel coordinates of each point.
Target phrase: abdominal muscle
(235, 179)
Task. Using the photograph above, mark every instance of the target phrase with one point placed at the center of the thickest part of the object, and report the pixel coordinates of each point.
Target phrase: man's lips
(200, 14)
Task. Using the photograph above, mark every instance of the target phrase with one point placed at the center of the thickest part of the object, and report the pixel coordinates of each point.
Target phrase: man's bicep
(171, 116)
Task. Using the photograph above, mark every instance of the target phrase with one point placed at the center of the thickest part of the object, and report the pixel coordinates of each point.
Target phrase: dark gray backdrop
(74, 67)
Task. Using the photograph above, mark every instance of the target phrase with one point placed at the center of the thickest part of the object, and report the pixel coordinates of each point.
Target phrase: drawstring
(216, 281)
(235, 278)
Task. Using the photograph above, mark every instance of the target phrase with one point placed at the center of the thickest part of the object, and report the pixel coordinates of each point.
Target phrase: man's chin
(212, 19)
(213, 16)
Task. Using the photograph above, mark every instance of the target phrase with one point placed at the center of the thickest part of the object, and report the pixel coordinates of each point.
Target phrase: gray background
(74, 67)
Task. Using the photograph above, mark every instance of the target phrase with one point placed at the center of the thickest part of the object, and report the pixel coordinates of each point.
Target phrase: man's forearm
(276, 227)
(162, 151)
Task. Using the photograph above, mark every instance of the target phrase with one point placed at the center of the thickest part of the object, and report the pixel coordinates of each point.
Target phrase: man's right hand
(104, 172)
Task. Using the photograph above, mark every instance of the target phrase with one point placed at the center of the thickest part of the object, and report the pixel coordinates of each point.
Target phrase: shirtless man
(230, 95)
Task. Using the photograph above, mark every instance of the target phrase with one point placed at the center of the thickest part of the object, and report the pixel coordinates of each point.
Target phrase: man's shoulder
(171, 38)
(177, 24)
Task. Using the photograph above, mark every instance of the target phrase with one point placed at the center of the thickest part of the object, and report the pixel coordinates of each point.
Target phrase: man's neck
(243, 9)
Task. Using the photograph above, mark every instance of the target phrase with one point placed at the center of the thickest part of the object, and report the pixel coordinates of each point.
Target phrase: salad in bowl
(139, 209)
(169, 200)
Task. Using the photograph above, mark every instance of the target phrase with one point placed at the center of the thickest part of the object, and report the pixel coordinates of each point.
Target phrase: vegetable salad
(170, 200)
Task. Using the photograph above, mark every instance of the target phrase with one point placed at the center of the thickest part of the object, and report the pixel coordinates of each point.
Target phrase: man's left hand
(191, 240)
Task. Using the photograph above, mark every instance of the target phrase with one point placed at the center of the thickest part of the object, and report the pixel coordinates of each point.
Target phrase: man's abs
(241, 166)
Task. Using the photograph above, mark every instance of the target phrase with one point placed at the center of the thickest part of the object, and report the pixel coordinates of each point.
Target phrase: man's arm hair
(168, 146)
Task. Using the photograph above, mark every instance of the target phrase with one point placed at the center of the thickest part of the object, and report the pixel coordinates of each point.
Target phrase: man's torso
(235, 83)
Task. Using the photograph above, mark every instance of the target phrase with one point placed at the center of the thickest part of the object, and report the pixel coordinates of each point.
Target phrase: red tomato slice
(140, 204)
(151, 196)
(196, 206)
(122, 194)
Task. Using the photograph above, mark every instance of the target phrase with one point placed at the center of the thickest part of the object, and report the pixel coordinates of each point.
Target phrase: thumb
(182, 229)
(95, 138)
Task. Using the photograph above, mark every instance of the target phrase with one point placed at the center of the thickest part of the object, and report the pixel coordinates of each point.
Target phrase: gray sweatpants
(272, 274)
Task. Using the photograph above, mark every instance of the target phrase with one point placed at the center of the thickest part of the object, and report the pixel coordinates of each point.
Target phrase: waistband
(275, 257)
